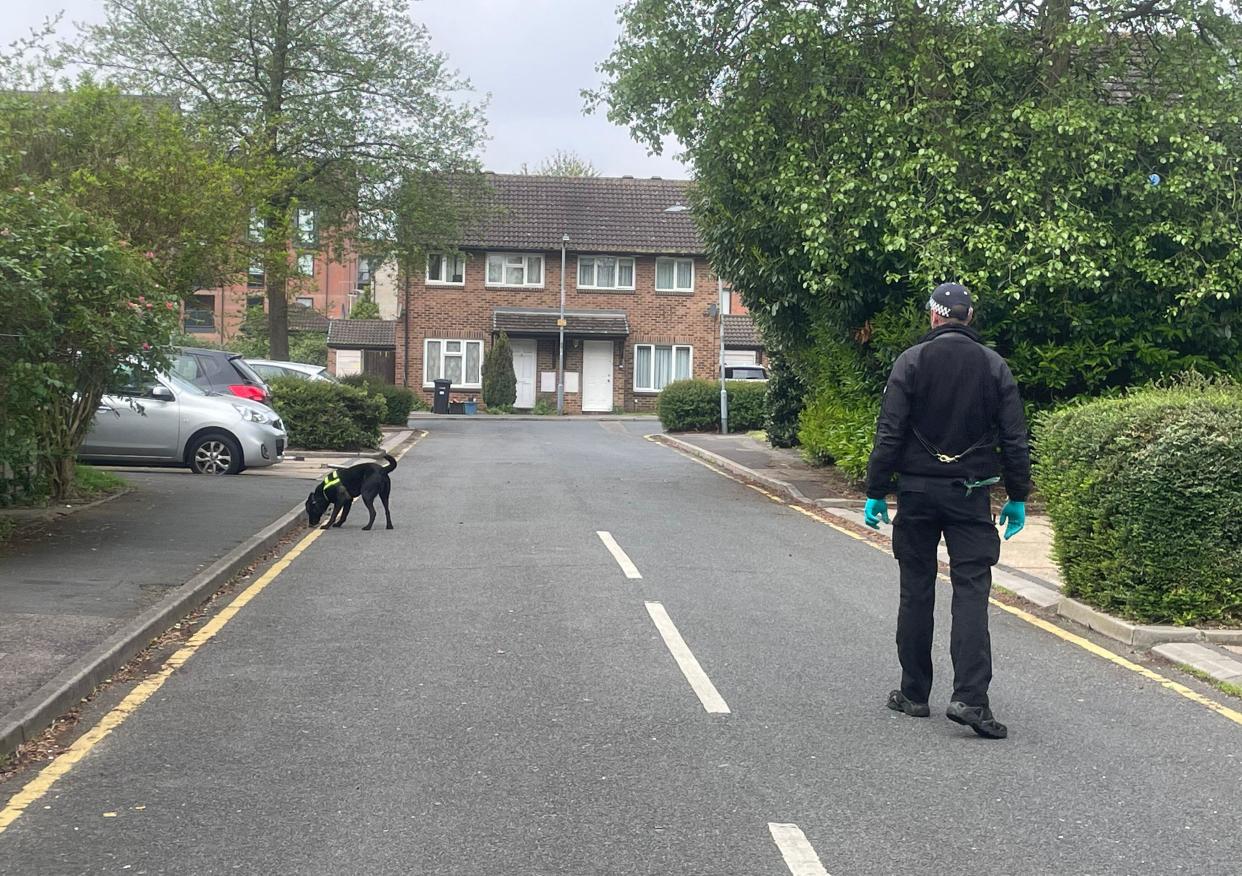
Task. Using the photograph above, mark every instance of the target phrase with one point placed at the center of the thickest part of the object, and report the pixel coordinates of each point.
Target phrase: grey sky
(532, 56)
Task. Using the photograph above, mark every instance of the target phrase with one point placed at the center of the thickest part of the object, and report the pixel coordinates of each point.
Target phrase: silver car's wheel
(215, 455)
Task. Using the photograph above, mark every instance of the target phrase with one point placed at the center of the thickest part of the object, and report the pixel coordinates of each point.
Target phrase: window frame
(674, 289)
(594, 286)
(200, 328)
(673, 348)
(429, 382)
(307, 238)
(444, 256)
(526, 257)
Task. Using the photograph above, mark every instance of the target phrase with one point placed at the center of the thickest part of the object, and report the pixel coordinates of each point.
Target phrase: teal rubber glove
(875, 511)
(1014, 513)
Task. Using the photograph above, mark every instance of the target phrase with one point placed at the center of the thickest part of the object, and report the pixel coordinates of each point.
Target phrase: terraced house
(642, 305)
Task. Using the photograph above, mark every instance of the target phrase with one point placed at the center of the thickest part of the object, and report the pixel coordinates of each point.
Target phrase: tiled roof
(371, 334)
(600, 214)
(740, 331)
(537, 321)
(306, 319)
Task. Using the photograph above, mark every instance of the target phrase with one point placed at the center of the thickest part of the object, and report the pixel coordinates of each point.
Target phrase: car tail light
(245, 390)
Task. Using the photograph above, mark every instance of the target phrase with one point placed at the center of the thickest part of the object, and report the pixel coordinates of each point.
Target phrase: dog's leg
(369, 501)
(385, 488)
(331, 517)
(349, 503)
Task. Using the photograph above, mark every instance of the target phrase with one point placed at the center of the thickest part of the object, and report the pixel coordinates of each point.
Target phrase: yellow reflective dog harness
(330, 481)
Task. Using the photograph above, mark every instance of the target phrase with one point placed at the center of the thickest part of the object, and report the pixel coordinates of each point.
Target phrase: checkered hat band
(936, 307)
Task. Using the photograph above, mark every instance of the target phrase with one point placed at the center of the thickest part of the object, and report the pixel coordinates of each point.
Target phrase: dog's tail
(392, 463)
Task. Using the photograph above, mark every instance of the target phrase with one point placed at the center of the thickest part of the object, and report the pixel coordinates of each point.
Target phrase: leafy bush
(689, 406)
(694, 405)
(398, 400)
(783, 402)
(1144, 498)
(310, 348)
(542, 408)
(328, 416)
(837, 426)
(499, 379)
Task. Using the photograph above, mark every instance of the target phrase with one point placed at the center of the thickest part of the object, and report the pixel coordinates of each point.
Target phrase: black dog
(339, 489)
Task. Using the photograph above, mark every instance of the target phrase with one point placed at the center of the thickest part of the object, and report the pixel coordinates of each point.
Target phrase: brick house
(641, 300)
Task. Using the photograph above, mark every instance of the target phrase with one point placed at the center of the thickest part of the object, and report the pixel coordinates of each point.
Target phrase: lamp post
(560, 324)
(724, 393)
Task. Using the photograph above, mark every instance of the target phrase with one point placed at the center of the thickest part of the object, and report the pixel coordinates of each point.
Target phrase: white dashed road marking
(702, 685)
(626, 564)
(799, 856)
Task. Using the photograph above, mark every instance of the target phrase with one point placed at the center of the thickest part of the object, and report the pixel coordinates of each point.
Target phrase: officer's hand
(1014, 513)
(875, 511)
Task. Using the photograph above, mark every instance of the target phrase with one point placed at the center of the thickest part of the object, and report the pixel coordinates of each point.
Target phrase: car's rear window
(748, 374)
(246, 371)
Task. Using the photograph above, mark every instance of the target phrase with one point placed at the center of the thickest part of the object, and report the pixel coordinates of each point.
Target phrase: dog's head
(316, 504)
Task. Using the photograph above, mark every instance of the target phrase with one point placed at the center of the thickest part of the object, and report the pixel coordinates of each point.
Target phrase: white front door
(597, 376)
(525, 354)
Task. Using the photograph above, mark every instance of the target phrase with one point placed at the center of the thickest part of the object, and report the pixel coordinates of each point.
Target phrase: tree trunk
(62, 478)
(277, 317)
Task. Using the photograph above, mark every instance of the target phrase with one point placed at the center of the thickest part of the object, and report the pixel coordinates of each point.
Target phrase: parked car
(219, 371)
(745, 372)
(269, 370)
(166, 420)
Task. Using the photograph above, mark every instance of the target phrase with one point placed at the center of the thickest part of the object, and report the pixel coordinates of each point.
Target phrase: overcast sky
(532, 56)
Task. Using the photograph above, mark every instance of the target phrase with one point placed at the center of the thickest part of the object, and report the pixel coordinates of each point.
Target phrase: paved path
(487, 690)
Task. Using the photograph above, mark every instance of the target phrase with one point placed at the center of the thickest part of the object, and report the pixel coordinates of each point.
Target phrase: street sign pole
(560, 356)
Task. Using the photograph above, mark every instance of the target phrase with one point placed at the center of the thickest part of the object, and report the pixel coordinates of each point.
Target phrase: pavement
(495, 687)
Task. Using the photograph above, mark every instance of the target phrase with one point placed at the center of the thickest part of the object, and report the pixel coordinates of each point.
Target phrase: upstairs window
(306, 265)
(605, 272)
(200, 313)
(364, 271)
(255, 278)
(674, 275)
(446, 270)
(514, 269)
(307, 234)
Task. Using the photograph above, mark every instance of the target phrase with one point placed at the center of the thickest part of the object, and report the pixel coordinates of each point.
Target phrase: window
(605, 272)
(306, 265)
(364, 271)
(507, 269)
(305, 301)
(253, 301)
(255, 278)
(446, 269)
(307, 236)
(655, 367)
(455, 360)
(256, 227)
(200, 313)
(674, 275)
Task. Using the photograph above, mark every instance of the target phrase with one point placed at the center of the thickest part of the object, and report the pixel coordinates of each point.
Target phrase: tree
(499, 378)
(336, 105)
(80, 303)
(365, 308)
(563, 163)
(1077, 165)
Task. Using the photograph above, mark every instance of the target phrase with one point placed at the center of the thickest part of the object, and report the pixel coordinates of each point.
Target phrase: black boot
(899, 702)
(977, 718)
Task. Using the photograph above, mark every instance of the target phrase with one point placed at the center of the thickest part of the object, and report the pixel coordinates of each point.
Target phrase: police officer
(950, 404)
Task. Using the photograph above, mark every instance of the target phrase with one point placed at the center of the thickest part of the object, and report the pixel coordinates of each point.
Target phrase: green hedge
(398, 400)
(784, 402)
(694, 405)
(837, 426)
(1145, 496)
(327, 416)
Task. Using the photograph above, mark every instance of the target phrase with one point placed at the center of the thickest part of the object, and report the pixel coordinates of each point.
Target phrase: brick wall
(465, 312)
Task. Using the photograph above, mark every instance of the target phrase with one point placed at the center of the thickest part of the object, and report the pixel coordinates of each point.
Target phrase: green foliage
(838, 423)
(783, 403)
(251, 341)
(694, 405)
(340, 106)
(1143, 494)
(499, 378)
(542, 408)
(562, 163)
(319, 415)
(90, 482)
(398, 400)
(310, 348)
(365, 308)
(78, 303)
(848, 157)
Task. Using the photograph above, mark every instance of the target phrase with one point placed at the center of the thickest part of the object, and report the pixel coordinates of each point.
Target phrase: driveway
(497, 688)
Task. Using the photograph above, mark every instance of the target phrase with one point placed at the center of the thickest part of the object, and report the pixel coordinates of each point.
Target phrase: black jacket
(949, 394)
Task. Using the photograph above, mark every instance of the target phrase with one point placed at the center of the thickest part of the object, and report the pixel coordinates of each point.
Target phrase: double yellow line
(1065, 635)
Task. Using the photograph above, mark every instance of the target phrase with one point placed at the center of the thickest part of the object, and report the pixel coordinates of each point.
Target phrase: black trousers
(927, 507)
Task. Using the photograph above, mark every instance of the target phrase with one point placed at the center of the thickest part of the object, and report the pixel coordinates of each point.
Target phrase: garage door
(741, 357)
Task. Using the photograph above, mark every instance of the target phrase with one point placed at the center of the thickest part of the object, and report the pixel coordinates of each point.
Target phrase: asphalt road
(485, 691)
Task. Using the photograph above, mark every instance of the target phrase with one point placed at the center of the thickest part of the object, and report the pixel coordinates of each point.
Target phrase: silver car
(167, 420)
(269, 370)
